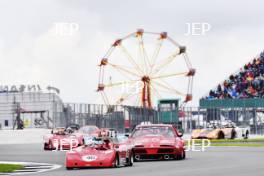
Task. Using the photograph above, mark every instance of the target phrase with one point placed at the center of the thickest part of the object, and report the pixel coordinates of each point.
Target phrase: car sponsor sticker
(89, 158)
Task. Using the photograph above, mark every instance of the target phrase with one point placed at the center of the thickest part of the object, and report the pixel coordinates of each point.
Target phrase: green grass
(258, 142)
(231, 140)
(239, 140)
(4, 168)
(236, 145)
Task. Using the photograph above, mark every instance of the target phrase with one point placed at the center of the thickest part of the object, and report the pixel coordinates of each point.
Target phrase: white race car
(237, 131)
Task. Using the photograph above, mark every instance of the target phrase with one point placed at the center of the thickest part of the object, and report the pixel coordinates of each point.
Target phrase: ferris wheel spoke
(124, 70)
(125, 97)
(121, 83)
(126, 90)
(155, 54)
(171, 89)
(130, 58)
(156, 91)
(168, 85)
(166, 62)
(105, 99)
(170, 75)
(143, 54)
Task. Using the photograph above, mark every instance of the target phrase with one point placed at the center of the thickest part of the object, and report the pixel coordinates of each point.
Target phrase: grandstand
(245, 88)
(239, 98)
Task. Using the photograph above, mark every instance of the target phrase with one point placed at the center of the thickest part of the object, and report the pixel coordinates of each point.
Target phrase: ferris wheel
(143, 67)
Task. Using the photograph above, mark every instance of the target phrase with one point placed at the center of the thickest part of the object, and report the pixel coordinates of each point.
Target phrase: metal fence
(125, 118)
(251, 117)
(89, 114)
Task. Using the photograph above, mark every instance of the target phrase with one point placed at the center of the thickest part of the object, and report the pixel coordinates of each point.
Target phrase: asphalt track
(215, 161)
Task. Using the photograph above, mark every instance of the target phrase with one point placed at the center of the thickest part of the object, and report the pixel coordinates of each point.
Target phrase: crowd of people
(247, 83)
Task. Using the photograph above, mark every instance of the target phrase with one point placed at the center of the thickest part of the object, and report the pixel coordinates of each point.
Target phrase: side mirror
(180, 132)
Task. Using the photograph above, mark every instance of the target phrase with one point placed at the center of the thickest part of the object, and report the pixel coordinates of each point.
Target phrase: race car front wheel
(181, 156)
(117, 163)
(233, 134)
(48, 146)
(45, 146)
(221, 135)
(131, 160)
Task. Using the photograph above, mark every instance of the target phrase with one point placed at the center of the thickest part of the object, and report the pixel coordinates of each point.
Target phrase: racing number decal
(89, 158)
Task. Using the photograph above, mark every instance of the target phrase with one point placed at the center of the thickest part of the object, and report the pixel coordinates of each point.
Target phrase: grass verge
(239, 140)
(5, 168)
(236, 145)
(231, 140)
(258, 142)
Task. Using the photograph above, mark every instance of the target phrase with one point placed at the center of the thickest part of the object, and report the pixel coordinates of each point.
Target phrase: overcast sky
(31, 53)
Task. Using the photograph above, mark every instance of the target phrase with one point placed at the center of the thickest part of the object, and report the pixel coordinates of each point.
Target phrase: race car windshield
(98, 143)
(94, 141)
(121, 138)
(153, 131)
(59, 131)
(88, 130)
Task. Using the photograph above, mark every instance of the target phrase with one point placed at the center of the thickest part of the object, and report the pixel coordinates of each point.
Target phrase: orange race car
(227, 131)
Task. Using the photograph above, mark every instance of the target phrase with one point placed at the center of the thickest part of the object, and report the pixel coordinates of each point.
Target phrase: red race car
(59, 139)
(157, 141)
(88, 131)
(100, 152)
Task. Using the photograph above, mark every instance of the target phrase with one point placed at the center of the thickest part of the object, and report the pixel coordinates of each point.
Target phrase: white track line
(32, 167)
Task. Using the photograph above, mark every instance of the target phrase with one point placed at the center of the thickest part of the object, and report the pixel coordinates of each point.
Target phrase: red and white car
(100, 152)
(59, 139)
(107, 132)
(157, 141)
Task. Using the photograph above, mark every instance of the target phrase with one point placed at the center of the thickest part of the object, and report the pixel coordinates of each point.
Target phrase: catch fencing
(125, 118)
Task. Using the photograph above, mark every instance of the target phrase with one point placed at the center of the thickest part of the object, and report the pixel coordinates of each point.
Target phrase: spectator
(247, 83)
